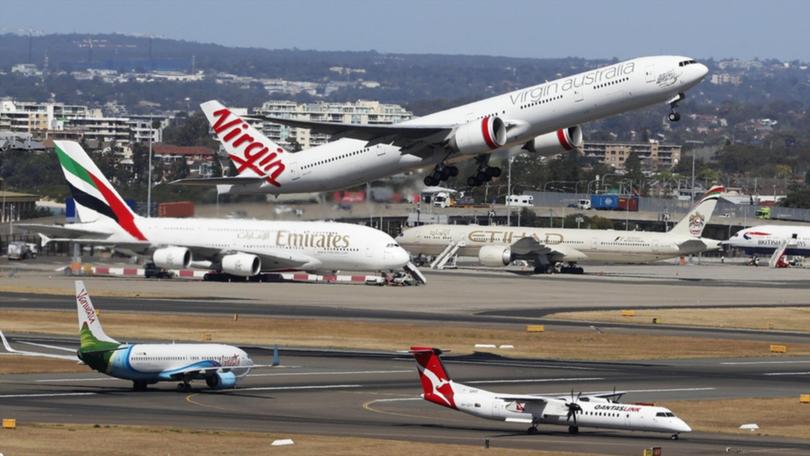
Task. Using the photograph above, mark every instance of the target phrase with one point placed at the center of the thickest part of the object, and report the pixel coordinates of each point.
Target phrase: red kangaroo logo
(257, 156)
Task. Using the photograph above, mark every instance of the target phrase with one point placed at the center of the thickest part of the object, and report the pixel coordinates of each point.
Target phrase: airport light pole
(509, 191)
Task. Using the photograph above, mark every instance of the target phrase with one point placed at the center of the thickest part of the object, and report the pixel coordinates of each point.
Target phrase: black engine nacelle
(562, 140)
(479, 136)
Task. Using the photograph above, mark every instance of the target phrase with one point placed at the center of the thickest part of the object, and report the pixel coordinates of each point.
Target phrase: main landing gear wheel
(440, 173)
(183, 387)
(139, 385)
(532, 430)
(674, 437)
(674, 116)
(573, 429)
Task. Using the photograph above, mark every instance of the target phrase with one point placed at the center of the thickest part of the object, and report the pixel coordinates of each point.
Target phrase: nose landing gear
(674, 115)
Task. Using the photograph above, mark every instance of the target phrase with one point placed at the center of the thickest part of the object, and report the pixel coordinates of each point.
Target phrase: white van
(520, 200)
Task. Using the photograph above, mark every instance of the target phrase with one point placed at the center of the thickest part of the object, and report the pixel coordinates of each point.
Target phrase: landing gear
(138, 385)
(573, 429)
(485, 172)
(441, 173)
(183, 387)
(674, 116)
(532, 430)
(571, 268)
(674, 437)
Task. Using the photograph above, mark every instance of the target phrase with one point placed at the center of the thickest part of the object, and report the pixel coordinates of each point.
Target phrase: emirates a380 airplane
(541, 118)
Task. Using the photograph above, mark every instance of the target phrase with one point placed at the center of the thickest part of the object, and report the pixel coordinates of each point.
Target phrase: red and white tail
(253, 154)
(436, 384)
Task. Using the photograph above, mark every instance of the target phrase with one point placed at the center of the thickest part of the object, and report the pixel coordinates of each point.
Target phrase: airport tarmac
(376, 395)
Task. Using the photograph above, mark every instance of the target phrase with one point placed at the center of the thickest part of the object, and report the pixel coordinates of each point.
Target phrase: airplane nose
(681, 426)
(402, 257)
(702, 70)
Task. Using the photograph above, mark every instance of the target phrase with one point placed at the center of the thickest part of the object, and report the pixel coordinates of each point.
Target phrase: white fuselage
(598, 413)
(764, 239)
(327, 246)
(597, 245)
(530, 112)
(156, 362)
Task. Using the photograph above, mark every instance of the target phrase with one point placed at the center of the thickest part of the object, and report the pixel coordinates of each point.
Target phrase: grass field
(83, 440)
(560, 344)
(772, 318)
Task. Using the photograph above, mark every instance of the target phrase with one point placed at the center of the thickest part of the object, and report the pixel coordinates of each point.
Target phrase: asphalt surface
(376, 395)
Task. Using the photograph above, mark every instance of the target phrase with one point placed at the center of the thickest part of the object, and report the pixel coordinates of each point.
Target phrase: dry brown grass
(83, 440)
(779, 416)
(777, 318)
(30, 365)
(561, 344)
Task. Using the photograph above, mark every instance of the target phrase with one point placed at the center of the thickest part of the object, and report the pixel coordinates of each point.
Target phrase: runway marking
(403, 371)
(192, 401)
(307, 387)
(536, 380)
(775, 374)
(368, 407)
(4, 396)
(667, 390)
(88, 379)
(741, 363)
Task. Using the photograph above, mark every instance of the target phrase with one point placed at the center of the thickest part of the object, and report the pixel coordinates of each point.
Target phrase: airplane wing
(526, 398)
(10, 350)
(65, 231)
(210, 181)
(529, 248)
(397, 133)
(694, 245)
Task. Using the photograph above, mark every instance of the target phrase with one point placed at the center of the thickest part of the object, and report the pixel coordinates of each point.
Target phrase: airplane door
(649, 73)
(295, 171)
(579, 94)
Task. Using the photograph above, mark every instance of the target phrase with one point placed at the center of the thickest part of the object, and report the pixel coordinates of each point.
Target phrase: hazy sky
(583, 28)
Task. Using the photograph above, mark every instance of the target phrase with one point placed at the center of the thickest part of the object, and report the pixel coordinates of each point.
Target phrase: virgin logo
(256, 156)
(88, 309)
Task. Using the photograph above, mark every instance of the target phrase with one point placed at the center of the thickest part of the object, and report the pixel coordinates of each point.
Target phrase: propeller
(573, 407)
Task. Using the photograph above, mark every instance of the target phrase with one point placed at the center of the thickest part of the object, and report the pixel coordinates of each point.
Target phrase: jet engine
(479, 136)
(221, 380)
(562, 140)
(241, 264)
(494, 256)
(172, 257)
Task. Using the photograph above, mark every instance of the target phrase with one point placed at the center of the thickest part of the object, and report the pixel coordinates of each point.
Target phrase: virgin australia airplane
(541, 118)
(221, 366)
(237, 247)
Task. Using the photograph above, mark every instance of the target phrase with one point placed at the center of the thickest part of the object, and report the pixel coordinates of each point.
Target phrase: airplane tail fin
(436, 384)
(253, 154)
(93, 337)
(95, 197)
(699, 216)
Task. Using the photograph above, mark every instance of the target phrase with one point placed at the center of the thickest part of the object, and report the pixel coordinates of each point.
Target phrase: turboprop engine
(241, 264)
(172, 257)
(562, 140)
(494, 256)
(479, 136)
(221, 380)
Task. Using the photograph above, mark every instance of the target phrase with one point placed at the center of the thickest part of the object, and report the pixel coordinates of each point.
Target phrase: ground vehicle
(152, 271)
(443, 199)
(19, 250)
(520, 200)
(584, 204)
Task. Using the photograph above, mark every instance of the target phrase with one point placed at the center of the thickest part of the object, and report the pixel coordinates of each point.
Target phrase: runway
(376, 395)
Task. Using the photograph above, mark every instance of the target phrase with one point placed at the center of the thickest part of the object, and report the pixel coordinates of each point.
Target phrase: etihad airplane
(550, 248)
(221, 366)
(593, 410)
(542, 118)
(242, 248)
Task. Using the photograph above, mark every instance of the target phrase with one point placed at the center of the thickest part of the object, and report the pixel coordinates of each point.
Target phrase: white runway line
(667, 390)
(403, 371)
(89, 379)
(775, 374)
(745, 363)
(536, 380)
(397, 399)
(45, 395)
(307, 387)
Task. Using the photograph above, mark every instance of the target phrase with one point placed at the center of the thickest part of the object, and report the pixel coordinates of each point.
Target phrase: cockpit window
(661, 414)
(686, 62)
(394, 244)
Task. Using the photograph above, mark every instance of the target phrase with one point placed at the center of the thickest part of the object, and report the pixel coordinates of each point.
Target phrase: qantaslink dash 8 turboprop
(541, 118)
